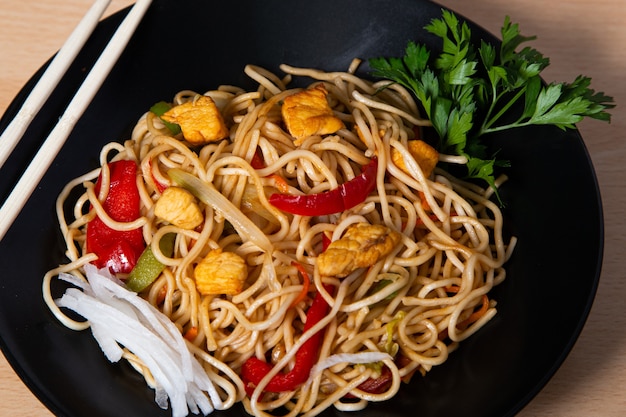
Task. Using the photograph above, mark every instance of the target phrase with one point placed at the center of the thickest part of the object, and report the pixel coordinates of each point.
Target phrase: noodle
(413, 306)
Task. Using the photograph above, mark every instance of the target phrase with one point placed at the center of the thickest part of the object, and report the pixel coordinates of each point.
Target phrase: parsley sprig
(468, 92)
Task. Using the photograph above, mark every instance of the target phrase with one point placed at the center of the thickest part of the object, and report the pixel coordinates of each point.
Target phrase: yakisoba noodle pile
(413, 305)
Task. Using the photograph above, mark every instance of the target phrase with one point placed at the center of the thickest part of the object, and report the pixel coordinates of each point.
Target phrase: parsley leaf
(466, 90)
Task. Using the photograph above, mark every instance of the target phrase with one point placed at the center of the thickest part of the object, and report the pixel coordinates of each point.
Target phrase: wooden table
(580, 36)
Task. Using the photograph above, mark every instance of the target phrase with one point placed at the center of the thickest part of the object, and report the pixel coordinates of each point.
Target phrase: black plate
(553, 205)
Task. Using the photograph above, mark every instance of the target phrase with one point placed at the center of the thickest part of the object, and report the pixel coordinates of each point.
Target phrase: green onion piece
(390, 346)
(159, 109)
(382, 284)
(148, 267)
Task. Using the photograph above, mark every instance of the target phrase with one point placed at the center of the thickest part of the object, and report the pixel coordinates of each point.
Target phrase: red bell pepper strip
(117, 250)
(159, 185)
(326, 241)
(254, 369)
(339, 199)
(376, 385)
(385, 379)
(257, 160)
(306, 283)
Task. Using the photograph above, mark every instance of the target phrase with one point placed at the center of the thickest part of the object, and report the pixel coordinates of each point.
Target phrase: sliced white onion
(354, 358)
(207, 193)
(119, 317)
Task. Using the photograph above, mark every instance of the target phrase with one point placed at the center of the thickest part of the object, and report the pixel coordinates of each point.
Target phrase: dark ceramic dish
(198, 45)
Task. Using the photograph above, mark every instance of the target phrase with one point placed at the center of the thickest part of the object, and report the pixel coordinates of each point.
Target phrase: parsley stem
(486, 127)
(505, 127)
(492, 106)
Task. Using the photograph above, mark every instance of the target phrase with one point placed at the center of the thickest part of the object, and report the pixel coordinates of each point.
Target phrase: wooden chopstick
(88, 89)
(50, 78)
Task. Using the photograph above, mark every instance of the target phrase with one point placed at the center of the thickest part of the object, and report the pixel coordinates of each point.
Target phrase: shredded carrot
(425, 204)
(191, 334)
(259, 163)
(476, 314)
(159, 186)
(472, 318)
(280, 183)
(420, 222)
(453, 289)
(162, 294)
(433, 217)
(192, 242)
(306, 283)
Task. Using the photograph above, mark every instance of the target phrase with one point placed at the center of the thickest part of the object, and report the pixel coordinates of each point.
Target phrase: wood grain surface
(579, 36)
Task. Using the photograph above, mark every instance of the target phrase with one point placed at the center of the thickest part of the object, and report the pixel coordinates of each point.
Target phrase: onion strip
(207, 193)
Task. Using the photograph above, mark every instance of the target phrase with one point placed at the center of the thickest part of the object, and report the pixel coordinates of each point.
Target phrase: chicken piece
(220, 273)
(425, 155)
(361, 246)
(199, 119)
(308, 113)
(178, 207)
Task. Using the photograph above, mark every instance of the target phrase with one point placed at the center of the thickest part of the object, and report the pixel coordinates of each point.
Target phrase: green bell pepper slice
(148, 267)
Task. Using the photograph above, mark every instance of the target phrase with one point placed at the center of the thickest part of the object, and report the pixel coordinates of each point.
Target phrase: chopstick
(50, 78)
(52, 145)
